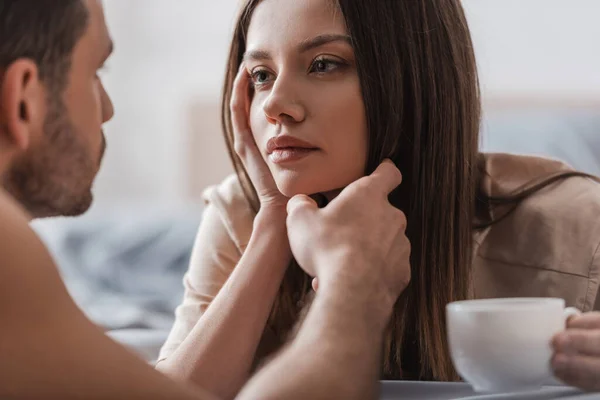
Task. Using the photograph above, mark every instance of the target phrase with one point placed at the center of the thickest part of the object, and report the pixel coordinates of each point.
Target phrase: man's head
(52, 102)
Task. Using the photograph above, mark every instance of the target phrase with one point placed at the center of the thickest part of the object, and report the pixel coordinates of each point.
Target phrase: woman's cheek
(258, 124)
(253, 119)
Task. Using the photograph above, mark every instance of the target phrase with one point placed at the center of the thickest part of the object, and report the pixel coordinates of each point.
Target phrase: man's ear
(22, 103)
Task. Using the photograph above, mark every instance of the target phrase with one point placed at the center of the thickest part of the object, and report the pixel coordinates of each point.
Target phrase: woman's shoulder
(229, 201)
(567, 212)
(549, 244)
(576, 194)
(229, 190)
(556, 228)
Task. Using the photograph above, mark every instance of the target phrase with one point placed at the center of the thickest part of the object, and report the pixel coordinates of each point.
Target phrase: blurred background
(539, 63)
(166, 73)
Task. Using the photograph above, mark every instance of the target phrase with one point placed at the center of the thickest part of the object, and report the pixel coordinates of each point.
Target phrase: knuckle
(568, 370)
(407, 246)
(401, 268)
(407, 276)
(289, 219)
(293, 211)
(396, 217)
(575, 374)
(589, 320)
(595, 340)
(361, 186)
(587, 377)
(404, 280)
(295, 207)
(235, 105)
(401, 218)
(594, 319)
(241, 148)
(585, 340)
(397, 174)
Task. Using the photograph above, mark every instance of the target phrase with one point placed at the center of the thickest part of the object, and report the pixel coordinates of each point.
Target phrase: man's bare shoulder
(45, 338)
(26, 267)
(12, 215)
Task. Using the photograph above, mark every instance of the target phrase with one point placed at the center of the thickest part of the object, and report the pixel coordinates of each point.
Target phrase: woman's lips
(285, 149)
(289, 154)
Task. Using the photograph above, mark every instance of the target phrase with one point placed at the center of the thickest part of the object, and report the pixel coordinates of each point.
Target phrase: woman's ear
(22, 104)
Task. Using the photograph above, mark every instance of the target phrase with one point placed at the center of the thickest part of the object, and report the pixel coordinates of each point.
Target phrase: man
(50, 55)
(52, 107)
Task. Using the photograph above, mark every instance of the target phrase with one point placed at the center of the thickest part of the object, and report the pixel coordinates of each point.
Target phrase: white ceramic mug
(504, 345)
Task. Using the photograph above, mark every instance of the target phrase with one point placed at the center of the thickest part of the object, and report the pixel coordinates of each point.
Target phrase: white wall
(167, 54)
(537, 47)
(170, 54)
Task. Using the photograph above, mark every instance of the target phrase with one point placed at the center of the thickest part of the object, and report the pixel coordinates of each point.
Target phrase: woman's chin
(289, 192)
(291, 189)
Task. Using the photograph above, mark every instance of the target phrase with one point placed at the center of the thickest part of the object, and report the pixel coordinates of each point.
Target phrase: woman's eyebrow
(306, 45)
(321, 40)
(256, 55)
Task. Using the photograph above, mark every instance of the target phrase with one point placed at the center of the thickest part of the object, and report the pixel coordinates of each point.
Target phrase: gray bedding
(124, 268)
(571, 136)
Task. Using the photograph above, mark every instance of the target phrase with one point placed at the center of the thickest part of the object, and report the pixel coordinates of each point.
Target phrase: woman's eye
(324, 66)
(260, 77)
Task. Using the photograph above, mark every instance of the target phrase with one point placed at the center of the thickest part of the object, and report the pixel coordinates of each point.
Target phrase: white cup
(504, 345)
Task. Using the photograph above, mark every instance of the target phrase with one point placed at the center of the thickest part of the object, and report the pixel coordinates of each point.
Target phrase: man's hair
(44, 31)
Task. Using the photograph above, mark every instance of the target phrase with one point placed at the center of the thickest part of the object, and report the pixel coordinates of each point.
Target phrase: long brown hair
(419, 83)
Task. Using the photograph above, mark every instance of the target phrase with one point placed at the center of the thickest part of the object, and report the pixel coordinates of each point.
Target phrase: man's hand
(576, 358)
(358, 241)
(357, 248)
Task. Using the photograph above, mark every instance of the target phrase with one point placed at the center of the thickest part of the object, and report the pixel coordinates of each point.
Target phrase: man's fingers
(380, 183)
(301, 204)
(578, 341)
(386, 177)
(301, 222)
(585, 321)
(577, 370)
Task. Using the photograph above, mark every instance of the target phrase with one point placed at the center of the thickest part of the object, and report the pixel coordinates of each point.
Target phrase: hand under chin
(292, 185)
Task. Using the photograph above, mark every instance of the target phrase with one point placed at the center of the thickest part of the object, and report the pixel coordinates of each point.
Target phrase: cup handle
(570, 312)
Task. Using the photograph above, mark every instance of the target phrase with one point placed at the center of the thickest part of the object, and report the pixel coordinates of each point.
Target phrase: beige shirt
(548, 247)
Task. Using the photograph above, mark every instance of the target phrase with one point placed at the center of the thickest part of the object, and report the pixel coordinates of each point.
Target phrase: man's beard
(54, 177)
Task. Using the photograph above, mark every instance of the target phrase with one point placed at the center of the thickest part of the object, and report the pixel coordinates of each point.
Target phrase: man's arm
(358, 250)
(49, 348)
(335, 355)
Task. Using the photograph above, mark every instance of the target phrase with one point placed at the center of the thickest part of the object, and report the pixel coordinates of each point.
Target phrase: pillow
(572, 136)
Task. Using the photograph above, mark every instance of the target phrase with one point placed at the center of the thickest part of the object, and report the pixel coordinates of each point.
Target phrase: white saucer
(408, 390)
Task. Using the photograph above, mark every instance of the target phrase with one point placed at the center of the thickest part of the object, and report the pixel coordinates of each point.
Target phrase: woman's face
(307, 113)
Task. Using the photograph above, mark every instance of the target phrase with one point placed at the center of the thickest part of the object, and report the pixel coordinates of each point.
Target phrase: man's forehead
(97, 25)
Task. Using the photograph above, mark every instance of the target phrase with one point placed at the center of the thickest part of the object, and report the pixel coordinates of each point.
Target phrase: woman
(330, 89)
